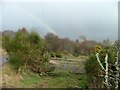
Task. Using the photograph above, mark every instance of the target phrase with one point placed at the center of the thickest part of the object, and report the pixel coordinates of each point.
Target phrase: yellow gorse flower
(97, 48)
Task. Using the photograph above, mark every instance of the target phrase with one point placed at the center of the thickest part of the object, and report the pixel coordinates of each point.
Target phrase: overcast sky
(97, 19)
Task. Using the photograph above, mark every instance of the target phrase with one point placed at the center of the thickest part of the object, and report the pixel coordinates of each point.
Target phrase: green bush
(58, 54)
(26, 50)
(16, 61)
(92, 66)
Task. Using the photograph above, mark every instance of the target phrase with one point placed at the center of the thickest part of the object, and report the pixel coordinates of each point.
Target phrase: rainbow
(38, 20)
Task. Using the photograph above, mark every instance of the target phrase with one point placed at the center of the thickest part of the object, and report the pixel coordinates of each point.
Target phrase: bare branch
(97, 56)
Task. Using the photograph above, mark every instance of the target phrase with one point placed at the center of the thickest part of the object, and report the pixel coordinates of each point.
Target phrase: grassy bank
(56, 79)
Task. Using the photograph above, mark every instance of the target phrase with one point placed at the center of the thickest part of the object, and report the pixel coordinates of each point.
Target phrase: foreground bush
(93, 69)
(26, 50)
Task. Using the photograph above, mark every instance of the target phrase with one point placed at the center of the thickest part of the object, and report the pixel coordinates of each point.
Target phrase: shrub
(92, 66)
(26, 49)
(16, 61)
(58, 54)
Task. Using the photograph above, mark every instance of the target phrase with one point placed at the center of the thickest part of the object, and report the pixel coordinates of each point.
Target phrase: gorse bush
(26, 50)
(16, 61)
(92, 67)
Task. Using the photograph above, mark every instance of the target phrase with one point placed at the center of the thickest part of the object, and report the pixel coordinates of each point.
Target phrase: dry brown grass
(2, 52)
(10, 78)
